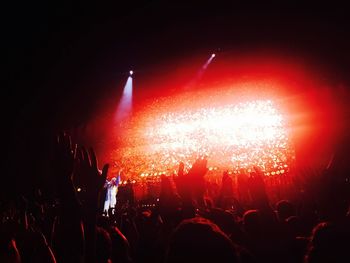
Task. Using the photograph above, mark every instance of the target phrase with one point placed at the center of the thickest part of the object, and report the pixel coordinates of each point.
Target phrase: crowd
(184, 223)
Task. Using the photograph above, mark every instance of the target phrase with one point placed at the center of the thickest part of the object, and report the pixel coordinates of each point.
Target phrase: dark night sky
(61, 57)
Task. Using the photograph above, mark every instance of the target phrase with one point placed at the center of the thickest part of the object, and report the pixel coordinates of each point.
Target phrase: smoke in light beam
(205, 66)
(125, 103)
(202, 70)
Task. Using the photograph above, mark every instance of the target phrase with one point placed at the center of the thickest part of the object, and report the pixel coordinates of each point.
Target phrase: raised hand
(258, 171)
(93, 178)
(199, 168)
(197, 181)
(94, 181)
(67, 233)
(63, 166)
(64, 156)
(181, 169)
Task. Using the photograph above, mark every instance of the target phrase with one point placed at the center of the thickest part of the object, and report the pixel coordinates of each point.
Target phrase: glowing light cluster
(232, 136)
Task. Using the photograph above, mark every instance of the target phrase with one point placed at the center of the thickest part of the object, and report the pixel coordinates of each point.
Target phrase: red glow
(299, 92)
(233, 134)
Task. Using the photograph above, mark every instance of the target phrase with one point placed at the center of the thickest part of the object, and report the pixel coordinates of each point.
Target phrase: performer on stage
(112, 189)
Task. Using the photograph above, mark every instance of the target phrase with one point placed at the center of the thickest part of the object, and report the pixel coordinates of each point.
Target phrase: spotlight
(213, 55)
(125, 103)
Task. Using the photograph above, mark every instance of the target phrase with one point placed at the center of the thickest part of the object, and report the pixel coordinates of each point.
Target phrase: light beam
(125, 103)
(201, 71)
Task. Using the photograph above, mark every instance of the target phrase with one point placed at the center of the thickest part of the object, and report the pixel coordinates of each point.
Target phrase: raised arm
(94, 182)
(68, 235)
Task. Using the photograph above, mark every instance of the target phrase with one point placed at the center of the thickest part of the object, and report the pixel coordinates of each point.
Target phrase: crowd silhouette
(185, 223)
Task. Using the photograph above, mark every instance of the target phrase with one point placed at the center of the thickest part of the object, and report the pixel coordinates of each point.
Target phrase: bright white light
(233, 136)
(213, 55)
(131, 72)
(125, 104)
